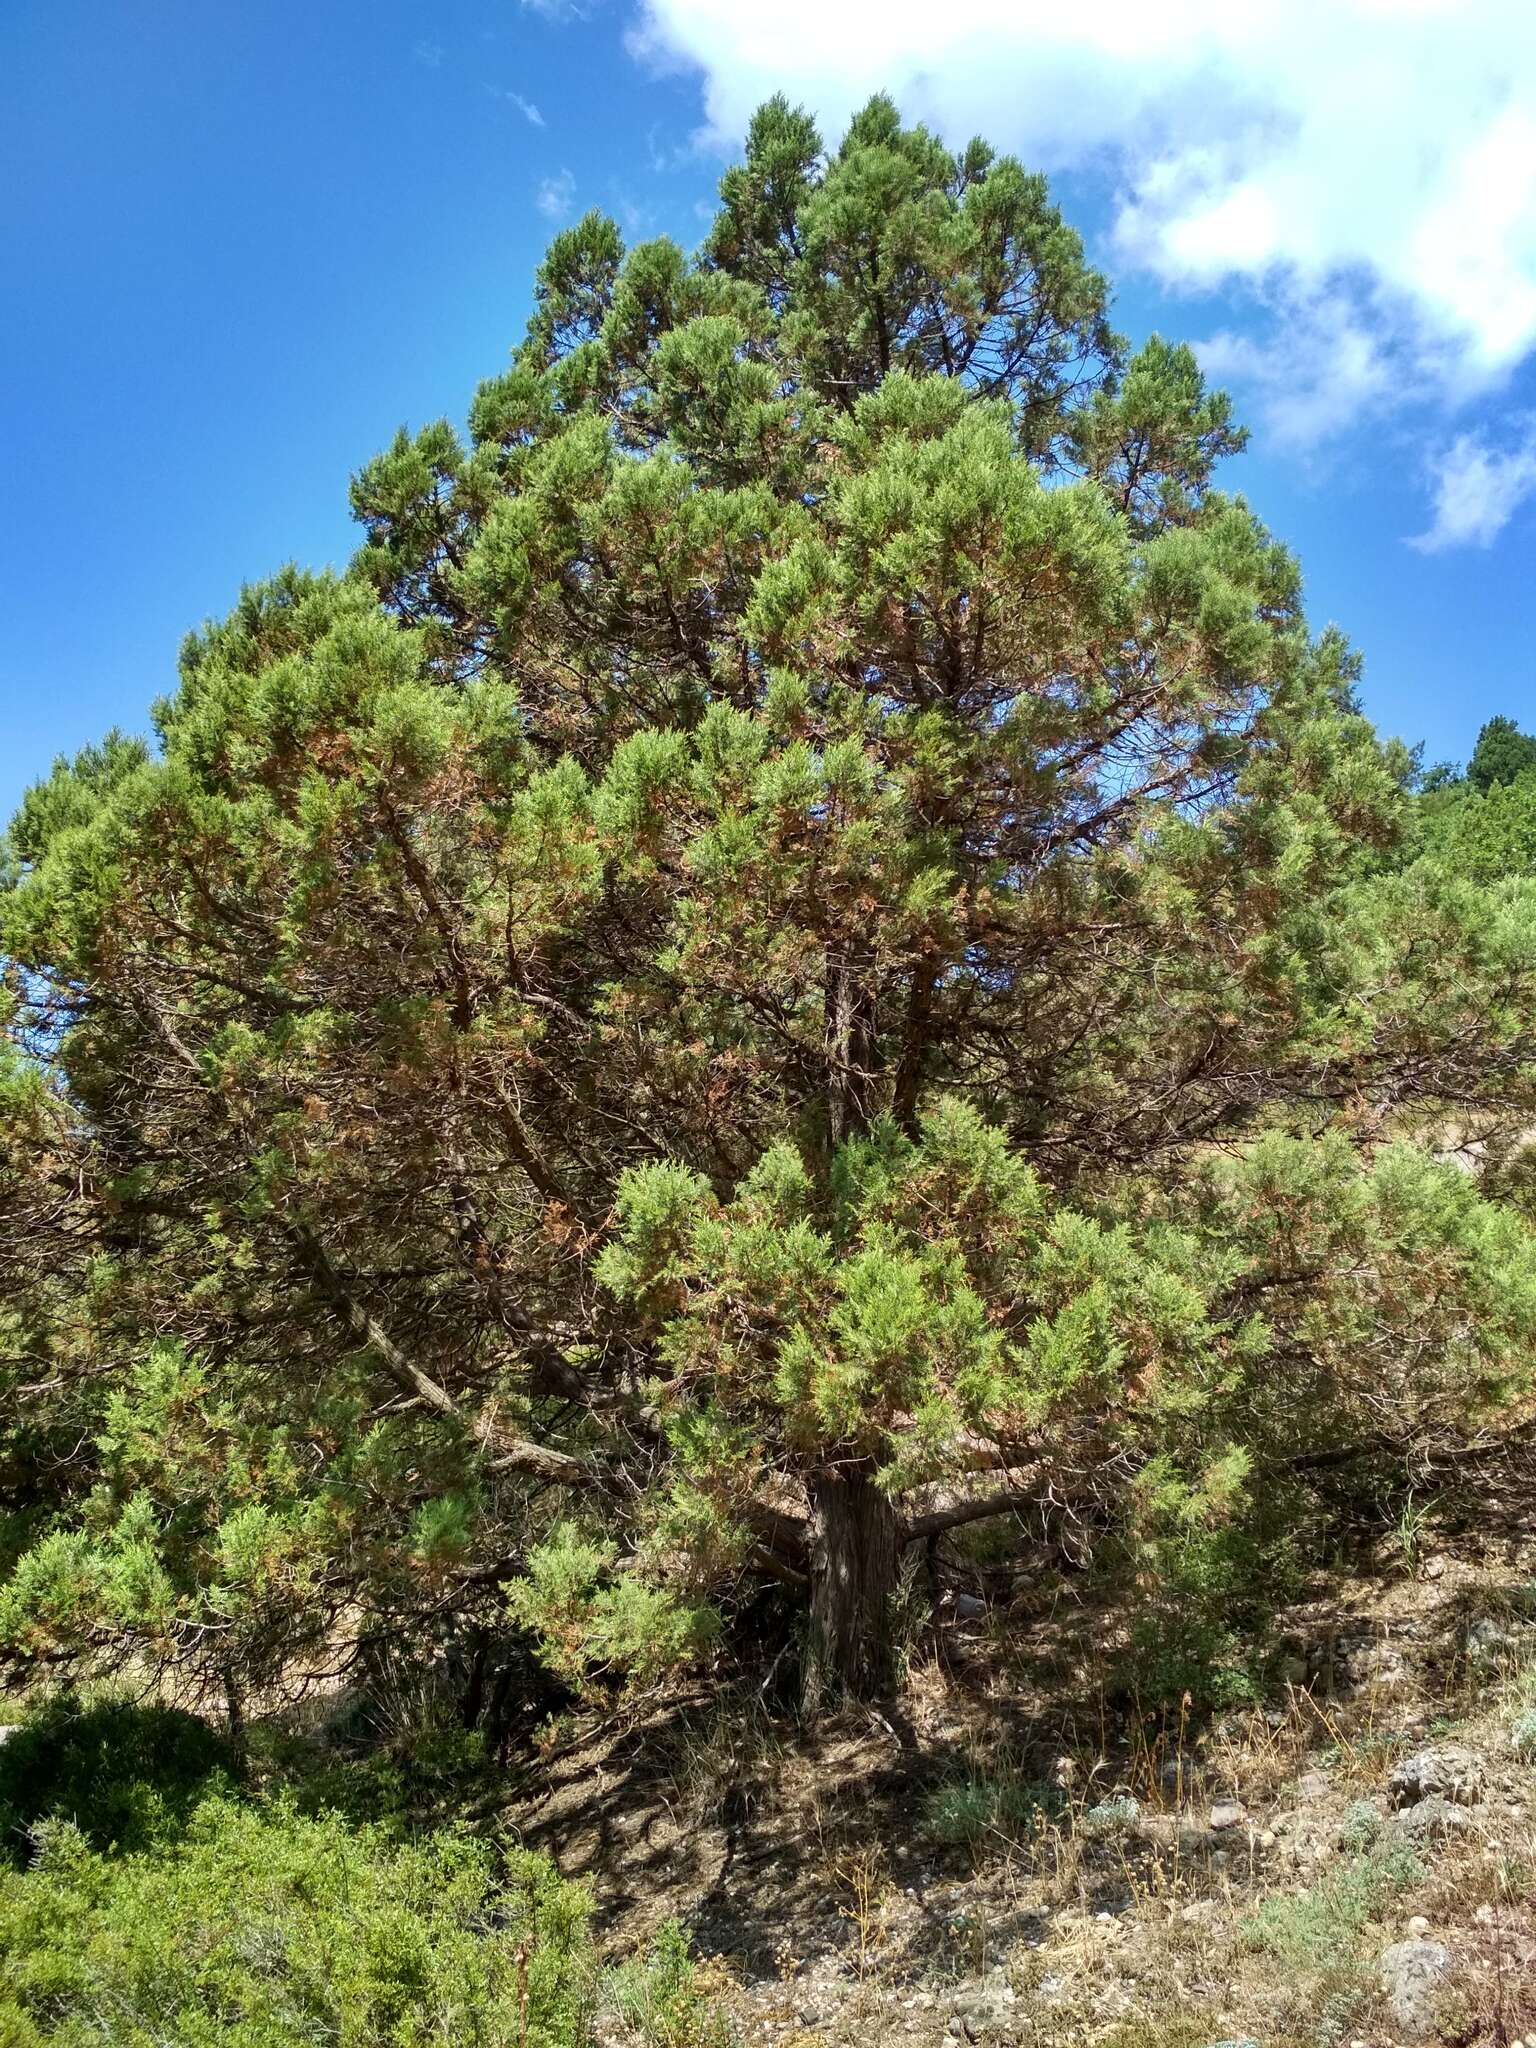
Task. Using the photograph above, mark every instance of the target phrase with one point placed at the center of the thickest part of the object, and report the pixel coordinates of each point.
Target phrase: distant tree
(805, 951)
(1503, 754)
(1489, 835)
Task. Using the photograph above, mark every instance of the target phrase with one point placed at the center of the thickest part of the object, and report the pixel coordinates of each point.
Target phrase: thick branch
(511, 1453)
(960, 1512)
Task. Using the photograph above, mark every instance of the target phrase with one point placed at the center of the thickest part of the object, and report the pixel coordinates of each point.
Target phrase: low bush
(1312, 1930)
(989, 1806)
(125, 1775)
(661, 2000)
(261, 1927)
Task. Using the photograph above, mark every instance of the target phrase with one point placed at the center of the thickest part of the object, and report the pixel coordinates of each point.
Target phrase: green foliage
(985, 1809)
(1213, 1569)
(1503, 754)
(1312, 1930)
(1110, 1817)
(258, 1928)
(660, 1998)
(591, 1621)
(806, 919)
(126, 1775)
(1361, 1828)
(1487, 833)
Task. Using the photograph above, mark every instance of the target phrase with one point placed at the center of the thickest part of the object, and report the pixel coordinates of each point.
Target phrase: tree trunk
(234, 1706)
(849, 1045)
(854, 1553)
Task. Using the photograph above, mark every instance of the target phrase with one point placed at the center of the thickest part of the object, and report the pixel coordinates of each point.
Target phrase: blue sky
(243, 242)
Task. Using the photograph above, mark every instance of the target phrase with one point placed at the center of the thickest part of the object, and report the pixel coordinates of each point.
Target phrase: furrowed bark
(855, 1547)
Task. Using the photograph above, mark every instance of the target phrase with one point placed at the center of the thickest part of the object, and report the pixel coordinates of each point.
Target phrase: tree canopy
(1503, 754)
(806, 948)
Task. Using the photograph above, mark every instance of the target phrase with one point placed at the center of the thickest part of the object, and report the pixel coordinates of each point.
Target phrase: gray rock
(1382, 1665)
(1448, 1771)
(1432, 1820)
(1236, 2041)
(1227, 1813)
(1414, 1975)
(1489, 1644)
(980, 2013)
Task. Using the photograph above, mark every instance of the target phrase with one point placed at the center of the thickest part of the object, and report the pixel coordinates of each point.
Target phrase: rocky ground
(1352, 1860)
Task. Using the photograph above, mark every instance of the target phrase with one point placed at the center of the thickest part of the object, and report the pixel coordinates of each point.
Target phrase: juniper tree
(806, 949)
(1503, 754)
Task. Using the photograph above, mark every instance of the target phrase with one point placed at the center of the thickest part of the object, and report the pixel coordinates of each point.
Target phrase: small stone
(1413, 1976)
(1435, 1568)
(1418, 1924)
(1227, 1813)
(1267, 1839)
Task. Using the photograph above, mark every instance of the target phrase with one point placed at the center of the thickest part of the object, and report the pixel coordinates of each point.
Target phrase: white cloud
(525, 107)
(1318, 372)
(556, 196)
(1478, 489)
(1364, 169)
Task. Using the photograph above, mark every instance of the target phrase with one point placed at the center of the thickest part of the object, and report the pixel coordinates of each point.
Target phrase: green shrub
(1111, 1816)
(997, 1806)
(659, 1998)
(264, 1928)
(1522, 1735)
(1361, 1827)
(1313, 1929)
(1212, 1564)
(125, 1775)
